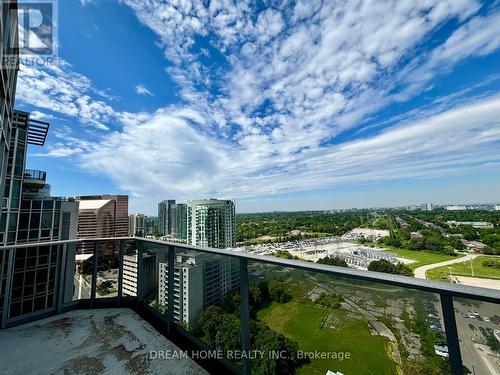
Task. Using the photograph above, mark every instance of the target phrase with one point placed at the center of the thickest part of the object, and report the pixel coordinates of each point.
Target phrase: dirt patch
(84, 365)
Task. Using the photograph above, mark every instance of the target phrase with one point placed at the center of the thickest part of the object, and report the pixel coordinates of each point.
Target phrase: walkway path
(421, 271)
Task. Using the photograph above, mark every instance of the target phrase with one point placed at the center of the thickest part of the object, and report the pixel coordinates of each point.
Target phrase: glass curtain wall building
(28, 212)
(165, 209)
(211, 223)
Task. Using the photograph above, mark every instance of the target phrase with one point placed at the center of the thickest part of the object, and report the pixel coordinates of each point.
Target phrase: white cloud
(142, 90)
(59, 89)
(37, 115)
(290, 81)
(319, 68)
(173, 156)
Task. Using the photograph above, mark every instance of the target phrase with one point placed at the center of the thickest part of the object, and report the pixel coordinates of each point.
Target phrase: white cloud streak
(142, 90)
(59, 89)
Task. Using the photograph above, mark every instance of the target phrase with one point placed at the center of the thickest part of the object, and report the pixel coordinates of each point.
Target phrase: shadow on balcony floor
(103, 341)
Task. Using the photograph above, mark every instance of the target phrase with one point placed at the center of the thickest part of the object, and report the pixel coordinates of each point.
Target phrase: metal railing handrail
(35, 174)
(62, 242)
(455, 290)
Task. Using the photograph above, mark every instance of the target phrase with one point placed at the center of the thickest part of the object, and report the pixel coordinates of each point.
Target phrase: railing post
(245, 315)
(140, 274)
(120, 271)
(62, 276)
(8, 288)
(94, 274)
(450, 326)
(170, 288)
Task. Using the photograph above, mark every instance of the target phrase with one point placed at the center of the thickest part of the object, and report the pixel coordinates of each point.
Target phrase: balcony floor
(101, 341)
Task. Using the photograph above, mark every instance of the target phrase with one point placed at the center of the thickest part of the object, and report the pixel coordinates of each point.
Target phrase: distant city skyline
(478, 189)
(303, 106)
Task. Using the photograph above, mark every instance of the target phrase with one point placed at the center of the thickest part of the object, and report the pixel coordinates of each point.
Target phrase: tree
(277, 291)
(331, 301)
(232, 302)
(87, 267)
(422, 366)
(403, 269)
(230, 333)
(333, 261)
(222, 331)
(270, 342)
(469, 232)
(383, 265)
(104, 287)
(210, 320)
(493, 343)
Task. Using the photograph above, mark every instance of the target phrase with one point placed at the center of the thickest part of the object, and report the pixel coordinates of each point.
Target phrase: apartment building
(211, 223)
(165, 209)
(179, 219)
(200, 280)
(137, 225)
(130, 265)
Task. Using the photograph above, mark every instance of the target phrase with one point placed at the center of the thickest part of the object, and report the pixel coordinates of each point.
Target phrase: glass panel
(307, 322)
(206, 299)
(130, 269)
(3, 277)
(83, 263)
(478, 325)
(107, 269)
(150, 260)
(72, 280)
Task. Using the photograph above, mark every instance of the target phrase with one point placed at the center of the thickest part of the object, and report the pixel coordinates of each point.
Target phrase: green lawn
(422, 257)
(302, 323)
(464, 269)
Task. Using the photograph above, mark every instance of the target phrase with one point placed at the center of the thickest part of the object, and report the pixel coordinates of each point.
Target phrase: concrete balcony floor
(100, 341)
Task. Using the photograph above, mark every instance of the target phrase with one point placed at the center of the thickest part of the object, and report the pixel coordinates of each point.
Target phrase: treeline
(441, 217)
(281, 239)
(429, 240)
(280, 224)
(333, 261)
(220, 327)
(385, 266)
(488, 236)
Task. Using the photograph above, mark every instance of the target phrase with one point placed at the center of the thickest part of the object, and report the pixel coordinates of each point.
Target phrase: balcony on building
(34, 177)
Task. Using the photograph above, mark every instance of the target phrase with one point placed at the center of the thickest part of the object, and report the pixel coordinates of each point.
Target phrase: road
(477, 356)
(82, 288)
(421, 271)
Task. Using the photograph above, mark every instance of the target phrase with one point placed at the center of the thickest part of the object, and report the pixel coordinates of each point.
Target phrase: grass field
(422, 258)
(464, 269)
(302, 323)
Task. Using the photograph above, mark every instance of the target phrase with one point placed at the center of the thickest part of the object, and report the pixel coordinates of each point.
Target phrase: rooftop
(111, 341)
(93, 204)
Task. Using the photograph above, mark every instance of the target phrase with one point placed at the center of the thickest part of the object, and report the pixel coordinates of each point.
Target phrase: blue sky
(280, 105)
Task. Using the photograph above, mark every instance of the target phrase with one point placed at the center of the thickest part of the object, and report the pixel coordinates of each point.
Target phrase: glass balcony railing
(243, 313)
(34, 174)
